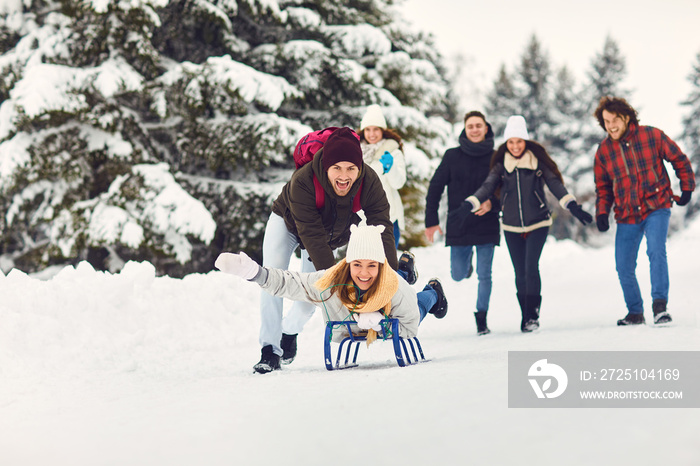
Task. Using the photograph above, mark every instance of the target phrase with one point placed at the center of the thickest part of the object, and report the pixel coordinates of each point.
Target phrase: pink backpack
(304, 153)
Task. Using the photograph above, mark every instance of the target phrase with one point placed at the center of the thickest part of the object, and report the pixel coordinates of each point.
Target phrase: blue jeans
(460, 262)
(627, 241)
(426, 299)
(278, 246)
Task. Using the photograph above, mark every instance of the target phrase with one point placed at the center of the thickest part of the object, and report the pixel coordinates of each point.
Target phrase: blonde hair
(343, 285)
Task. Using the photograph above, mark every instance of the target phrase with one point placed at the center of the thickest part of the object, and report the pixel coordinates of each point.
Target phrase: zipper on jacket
(624, 158)
(520, 197)
(624, 163)
(539, 199)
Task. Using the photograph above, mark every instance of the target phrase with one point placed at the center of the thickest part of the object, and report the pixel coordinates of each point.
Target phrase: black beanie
(342, 146)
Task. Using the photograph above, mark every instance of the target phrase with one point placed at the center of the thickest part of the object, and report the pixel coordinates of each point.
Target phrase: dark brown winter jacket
(322, 231)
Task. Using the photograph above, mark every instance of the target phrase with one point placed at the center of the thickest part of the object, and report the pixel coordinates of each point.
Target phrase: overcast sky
(659, 40)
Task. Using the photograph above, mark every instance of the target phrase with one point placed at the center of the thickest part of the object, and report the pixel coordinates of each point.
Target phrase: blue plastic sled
(401, 350)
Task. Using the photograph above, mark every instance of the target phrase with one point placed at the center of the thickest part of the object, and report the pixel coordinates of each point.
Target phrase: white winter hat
(373, 117)
(365, 243)
(516, 128)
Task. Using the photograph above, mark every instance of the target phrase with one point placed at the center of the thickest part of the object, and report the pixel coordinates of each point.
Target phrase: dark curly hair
(616, 105)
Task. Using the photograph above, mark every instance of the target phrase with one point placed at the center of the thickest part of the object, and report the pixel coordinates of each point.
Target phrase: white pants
(278, 246)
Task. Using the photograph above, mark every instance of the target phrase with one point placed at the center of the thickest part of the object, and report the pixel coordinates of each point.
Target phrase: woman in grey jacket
(520, 168)
(361, 287)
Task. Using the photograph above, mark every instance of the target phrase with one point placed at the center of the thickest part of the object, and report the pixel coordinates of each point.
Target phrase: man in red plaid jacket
(630, 175)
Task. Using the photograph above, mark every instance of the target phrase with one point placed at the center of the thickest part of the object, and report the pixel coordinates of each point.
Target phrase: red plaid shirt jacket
(630, 173)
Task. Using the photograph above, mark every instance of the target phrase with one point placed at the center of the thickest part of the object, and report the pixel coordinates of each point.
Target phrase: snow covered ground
(130, 369)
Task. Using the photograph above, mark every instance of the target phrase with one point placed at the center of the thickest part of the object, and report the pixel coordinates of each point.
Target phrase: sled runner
(391, 332)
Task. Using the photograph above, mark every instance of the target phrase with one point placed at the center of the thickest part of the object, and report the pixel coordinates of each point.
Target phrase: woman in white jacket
(360, 288)
(382, 149)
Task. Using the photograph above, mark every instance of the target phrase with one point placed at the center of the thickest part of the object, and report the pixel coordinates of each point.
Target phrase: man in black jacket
(463, 169)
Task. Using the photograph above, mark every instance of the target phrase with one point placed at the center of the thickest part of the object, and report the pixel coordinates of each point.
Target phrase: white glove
(367, 320)
(237, 264)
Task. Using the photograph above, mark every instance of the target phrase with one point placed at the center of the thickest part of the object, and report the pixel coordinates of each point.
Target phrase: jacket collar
(631, 129)
(527, 161)
(372, 152)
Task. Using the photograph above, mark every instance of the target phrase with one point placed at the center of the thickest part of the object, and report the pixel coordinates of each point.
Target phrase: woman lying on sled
(360, 287)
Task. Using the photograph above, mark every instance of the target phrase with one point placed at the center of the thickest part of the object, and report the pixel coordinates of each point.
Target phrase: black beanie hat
(342, 146)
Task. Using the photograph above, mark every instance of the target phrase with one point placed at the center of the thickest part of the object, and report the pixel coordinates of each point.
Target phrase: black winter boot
(481, 328)
(439, 309)
(522, 300)
(407, 264)
(268, 362)
(660, 314)
(532, 313)
(631, 319)
(289, 348)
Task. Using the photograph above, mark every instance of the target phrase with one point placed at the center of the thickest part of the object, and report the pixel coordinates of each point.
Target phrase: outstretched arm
(297, 286)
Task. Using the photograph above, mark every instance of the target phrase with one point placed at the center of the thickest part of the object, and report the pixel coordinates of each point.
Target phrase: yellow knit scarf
(379, 301)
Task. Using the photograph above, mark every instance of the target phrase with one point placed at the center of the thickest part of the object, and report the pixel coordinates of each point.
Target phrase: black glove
(685, 198)
(576, 210)
(458, 216)
(602, 222)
